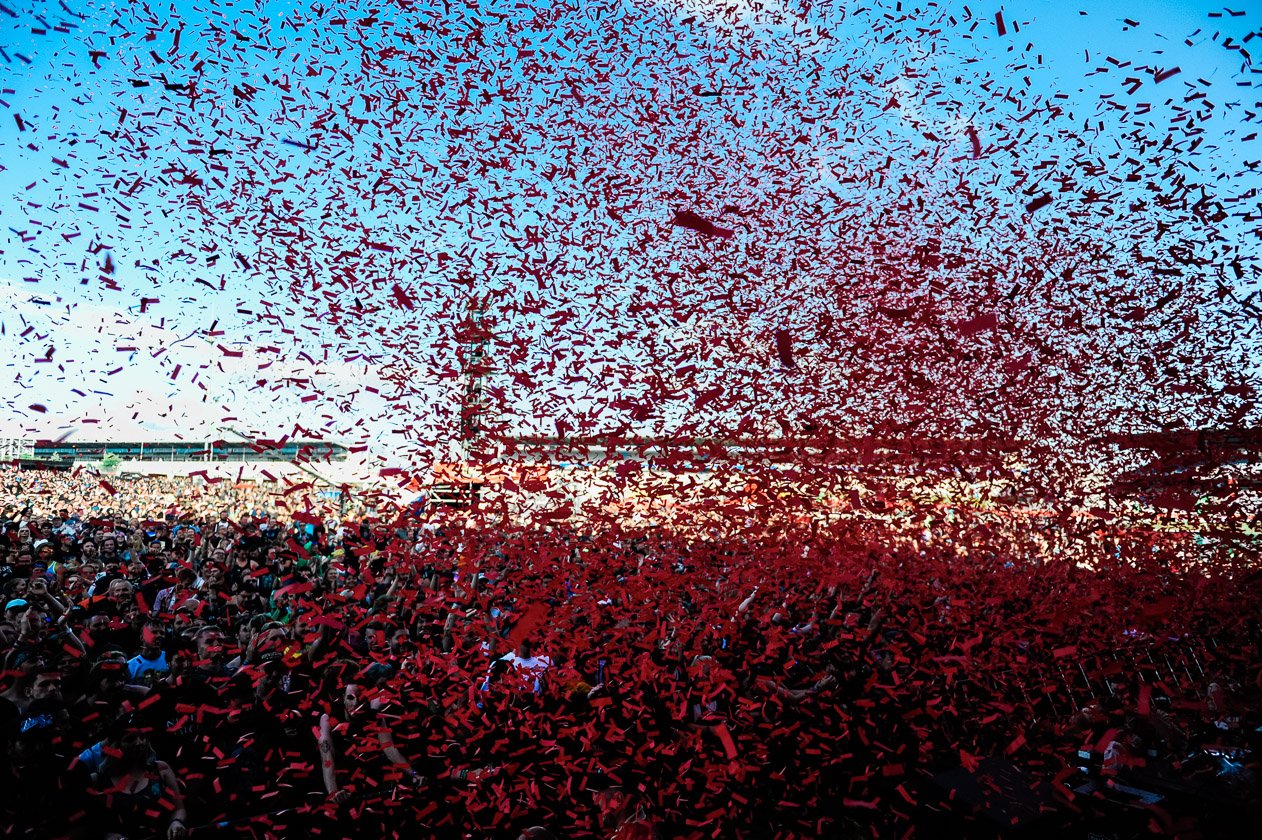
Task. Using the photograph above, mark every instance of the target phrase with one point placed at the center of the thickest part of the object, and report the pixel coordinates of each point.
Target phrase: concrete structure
(239, 460)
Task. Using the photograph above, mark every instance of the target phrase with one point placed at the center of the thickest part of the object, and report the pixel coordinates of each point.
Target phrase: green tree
(110, 462)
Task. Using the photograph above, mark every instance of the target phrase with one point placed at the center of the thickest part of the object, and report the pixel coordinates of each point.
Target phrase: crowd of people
(183, 657)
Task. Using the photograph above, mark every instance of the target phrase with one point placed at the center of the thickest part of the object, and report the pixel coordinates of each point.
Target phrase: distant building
(244, 459)
(189, 451)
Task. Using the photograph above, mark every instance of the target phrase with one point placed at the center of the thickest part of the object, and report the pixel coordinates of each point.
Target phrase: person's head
(400, 640)
(108, 676)
(127, 753)
(209, 641)
(181, 656)
(38, 585)
(120, 592)
(248, 630)
(97, 624)
(15, 601)
(151, 638)
(536, 832)
(525, 649)
(186, 614)
(108, 547)
(269, 643)
(213, 574)
(375, 636)
(44, 684)
(352, 698)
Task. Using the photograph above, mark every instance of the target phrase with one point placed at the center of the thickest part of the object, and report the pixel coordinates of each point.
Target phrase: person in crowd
(150, 664)
(526, 667)
(170, 599)
(135, 793)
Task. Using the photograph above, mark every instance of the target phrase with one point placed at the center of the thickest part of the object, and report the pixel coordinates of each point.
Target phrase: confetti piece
(784, 348)
(691, 221)
(1038, 203)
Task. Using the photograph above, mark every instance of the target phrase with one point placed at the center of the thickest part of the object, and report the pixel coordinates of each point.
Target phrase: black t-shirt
(9, 717)
(251, 542)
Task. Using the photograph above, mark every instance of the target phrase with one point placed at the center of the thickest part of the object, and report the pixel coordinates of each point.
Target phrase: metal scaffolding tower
(11, 449)
(472, 356)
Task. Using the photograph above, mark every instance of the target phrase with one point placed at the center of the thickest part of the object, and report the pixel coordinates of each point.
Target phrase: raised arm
(327, 767)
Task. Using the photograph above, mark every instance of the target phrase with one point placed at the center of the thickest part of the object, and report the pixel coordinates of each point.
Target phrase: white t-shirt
(532, 668)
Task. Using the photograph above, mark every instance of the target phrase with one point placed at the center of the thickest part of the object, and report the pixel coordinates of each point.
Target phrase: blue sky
(239, 291)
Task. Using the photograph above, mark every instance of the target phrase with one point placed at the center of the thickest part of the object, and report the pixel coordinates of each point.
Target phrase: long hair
(126, 753)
